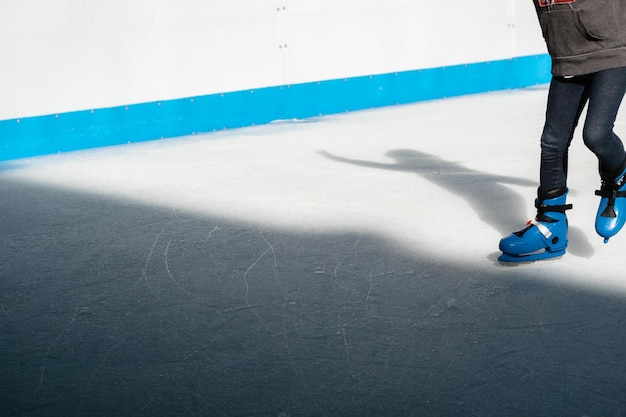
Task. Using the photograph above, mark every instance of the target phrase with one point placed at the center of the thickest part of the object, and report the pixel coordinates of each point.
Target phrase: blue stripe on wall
(32, 136)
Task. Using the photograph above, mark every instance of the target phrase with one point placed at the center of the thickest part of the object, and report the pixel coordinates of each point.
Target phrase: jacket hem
(589, 63)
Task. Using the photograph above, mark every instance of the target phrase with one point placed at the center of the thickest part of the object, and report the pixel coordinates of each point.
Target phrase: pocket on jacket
(573, 32)
(600, 22)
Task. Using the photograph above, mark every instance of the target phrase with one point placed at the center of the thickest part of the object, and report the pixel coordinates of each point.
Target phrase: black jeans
(567, 97)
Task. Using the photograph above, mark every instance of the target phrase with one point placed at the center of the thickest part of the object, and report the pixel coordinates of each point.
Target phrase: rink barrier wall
(41, 135)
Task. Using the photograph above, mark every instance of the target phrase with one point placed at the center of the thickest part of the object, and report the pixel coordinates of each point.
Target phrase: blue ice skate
(544, 237)
(611, 214)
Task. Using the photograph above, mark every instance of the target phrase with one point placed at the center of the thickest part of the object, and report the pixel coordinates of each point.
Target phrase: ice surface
(446, 179)
(339, 266)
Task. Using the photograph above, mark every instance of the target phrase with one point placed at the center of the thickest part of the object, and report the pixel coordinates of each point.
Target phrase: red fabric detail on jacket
(545, 3)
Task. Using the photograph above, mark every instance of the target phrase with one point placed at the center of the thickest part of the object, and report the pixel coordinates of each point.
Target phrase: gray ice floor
(341, 266)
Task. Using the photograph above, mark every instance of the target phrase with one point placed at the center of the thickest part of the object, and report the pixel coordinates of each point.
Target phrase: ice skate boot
(544, 237)
(611, 214)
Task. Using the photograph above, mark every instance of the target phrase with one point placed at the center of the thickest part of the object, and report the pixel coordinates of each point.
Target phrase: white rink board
(68, 55)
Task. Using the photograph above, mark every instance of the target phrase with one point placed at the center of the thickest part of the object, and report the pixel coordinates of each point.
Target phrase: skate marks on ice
(494, 203)
(111, 307)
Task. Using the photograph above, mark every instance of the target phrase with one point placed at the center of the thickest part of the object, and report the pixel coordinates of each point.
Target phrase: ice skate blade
(509, 259)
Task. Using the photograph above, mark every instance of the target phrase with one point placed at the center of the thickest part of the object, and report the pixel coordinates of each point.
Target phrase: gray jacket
(583, 36)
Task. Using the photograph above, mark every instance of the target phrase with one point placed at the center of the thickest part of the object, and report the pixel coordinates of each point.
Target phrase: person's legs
(546, 235)
(566, 99)
(606, 92)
